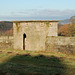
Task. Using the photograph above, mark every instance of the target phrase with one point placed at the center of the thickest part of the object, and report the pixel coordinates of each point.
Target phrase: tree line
(68, 29)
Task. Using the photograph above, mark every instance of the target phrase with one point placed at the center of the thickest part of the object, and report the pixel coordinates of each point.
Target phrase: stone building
(32, 35)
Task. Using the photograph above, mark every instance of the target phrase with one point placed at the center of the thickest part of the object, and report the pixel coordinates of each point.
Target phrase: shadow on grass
(33, 65)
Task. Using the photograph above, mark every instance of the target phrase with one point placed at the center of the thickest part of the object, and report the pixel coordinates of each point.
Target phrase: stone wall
(61, 44)
(52, 43)
(6, 42)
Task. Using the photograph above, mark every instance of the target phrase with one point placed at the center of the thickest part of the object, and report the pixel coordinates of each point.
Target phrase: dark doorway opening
(24, 41)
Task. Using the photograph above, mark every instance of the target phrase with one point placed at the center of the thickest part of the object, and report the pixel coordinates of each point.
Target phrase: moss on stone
(47, 24)
(18, 27)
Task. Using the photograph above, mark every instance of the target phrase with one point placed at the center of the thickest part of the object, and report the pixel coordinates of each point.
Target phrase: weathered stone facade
(6, 42)
(31, 35)
(61, 44)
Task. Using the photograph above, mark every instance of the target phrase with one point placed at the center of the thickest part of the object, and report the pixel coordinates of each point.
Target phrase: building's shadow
(29, 65)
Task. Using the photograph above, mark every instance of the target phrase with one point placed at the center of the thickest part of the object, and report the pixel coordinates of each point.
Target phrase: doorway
(24, 41)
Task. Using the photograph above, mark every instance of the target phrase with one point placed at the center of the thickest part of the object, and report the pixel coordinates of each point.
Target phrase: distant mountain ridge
(63, 22)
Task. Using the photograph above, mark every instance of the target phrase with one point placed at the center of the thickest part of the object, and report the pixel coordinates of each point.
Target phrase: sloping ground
(6, 28)
(18, 62)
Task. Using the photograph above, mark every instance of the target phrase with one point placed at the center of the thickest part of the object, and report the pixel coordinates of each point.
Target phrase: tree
(64, 30)
(68, 29)
(72, 26)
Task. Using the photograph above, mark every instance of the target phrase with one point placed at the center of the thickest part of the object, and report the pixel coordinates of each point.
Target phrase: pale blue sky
(34, 8)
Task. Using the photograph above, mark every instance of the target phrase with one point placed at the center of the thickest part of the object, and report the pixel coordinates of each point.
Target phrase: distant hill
(62, 22)
(6, 28)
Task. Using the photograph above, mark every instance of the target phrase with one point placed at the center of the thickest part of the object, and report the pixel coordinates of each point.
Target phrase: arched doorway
(24, 41)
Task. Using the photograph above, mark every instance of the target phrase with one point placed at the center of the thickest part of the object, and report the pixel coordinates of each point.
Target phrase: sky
(36, 9)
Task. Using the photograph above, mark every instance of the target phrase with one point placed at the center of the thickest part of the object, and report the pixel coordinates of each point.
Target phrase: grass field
(18, 62)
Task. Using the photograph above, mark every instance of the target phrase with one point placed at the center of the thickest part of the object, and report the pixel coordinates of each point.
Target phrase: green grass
(18, 62)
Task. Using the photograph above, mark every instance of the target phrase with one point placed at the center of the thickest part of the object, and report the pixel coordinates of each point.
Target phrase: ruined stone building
(37, 35)
(32, 35)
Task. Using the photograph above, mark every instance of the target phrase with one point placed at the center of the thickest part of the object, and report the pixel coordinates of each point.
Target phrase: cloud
(45, 14)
